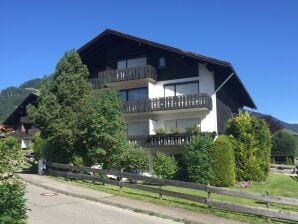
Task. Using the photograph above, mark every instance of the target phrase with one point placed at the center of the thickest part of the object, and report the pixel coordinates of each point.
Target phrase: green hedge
(197, 159)
(164, 165)
(222, 160)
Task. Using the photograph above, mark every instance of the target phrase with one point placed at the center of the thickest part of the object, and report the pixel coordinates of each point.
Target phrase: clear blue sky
(260, 38)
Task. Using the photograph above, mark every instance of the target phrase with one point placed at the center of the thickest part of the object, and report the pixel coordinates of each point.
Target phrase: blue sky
(260, 38)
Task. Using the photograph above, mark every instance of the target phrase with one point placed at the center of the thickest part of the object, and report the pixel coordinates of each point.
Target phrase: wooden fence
(282, 168)
(85, 173)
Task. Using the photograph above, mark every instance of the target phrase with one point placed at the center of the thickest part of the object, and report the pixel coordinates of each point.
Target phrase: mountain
(285, 125)
(12, 96)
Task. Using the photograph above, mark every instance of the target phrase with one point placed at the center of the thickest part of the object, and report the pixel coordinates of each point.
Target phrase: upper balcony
(122, 75)
(202, 101)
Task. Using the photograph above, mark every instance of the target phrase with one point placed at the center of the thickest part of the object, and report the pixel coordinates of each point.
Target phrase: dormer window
(162, 62)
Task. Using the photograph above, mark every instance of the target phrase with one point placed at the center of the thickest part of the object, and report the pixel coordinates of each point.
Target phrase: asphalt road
(69, 210)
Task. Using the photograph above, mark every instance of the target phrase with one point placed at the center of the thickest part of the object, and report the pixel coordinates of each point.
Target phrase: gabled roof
(14, 118)
(201, 58)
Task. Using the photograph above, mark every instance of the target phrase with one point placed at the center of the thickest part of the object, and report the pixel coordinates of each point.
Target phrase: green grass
(277, 184)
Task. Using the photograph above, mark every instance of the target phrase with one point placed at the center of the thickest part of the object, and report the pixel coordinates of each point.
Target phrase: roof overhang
(247, 100)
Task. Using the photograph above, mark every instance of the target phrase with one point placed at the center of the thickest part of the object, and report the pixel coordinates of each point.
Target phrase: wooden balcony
(135, 73)
(155, 141)
(166, 140)
(168, 103)
(25, 120)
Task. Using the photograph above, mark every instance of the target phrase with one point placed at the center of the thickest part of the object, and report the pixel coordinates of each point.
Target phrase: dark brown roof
(14, 118)
(248, 101)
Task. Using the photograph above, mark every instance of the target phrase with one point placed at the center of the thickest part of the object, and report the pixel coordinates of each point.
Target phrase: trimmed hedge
(251, 140)
(222, 160)
(164, 165)
(197, 159)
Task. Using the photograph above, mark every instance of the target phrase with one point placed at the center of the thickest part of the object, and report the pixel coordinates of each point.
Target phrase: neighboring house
(23, 127)
(164, 87)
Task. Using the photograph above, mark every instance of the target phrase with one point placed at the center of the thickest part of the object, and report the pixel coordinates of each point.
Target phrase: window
(162, 62)
(130, 63)
(133, 94)
(182, 123)
(178, 89)
(140, 128)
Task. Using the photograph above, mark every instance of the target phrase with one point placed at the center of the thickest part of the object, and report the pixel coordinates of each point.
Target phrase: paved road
(69, 210)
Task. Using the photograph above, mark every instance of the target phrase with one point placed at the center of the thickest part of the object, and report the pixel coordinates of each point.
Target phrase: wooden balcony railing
(168, 103)
(141, 72)
(166, 140)
(25, 120)
(154, 141)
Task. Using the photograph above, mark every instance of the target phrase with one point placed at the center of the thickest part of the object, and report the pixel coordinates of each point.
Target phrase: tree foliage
(64, 112)
(164, 165)
(223, 162)
(252, 146)
(110, 126)
(12, 190)
(284, 143)
(197, 159)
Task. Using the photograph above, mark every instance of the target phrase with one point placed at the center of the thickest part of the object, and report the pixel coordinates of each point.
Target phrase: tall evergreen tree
(64, 113)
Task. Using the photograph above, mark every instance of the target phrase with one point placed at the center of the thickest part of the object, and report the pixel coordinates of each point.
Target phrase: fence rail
(282, 168)
(68, 172)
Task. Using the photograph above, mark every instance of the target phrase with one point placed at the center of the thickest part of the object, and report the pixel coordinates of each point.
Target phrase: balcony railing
(166, 140)
(25, 120)
(168, 103)
(23, 134)
(140, 72)
(154, 141)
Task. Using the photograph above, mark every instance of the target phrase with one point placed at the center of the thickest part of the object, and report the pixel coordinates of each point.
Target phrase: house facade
(167, 93)
(164, 89)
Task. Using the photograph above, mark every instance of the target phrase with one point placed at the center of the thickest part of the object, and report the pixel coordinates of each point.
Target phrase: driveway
(59, 208)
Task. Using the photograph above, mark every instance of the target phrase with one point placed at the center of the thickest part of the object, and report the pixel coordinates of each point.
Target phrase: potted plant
(160, 131)
(193, 129)
(175, 130)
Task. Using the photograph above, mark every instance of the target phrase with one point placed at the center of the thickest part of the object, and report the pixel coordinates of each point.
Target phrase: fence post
(120, 181)
(93, 180)
(41, 166)
(160, 190)
(268, 200)
(209, 193)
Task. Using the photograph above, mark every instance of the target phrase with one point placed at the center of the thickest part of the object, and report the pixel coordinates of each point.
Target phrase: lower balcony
(202, 100)
(155, 141)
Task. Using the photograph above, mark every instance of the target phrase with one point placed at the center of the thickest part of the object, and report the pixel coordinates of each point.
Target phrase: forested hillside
(12, 96)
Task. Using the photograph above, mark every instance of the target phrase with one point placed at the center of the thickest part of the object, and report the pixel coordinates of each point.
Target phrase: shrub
(252, 146)
(134, 158)
(12, 191)
(12, 202)
(197, 159)
(38, 146)
(222, 160)
(164, 165)
(284, 143)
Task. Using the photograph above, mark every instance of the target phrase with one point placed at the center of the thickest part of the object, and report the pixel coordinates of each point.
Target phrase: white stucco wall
(206, 85)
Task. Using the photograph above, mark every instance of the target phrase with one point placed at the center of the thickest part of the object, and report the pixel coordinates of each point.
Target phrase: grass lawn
(277, 184)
